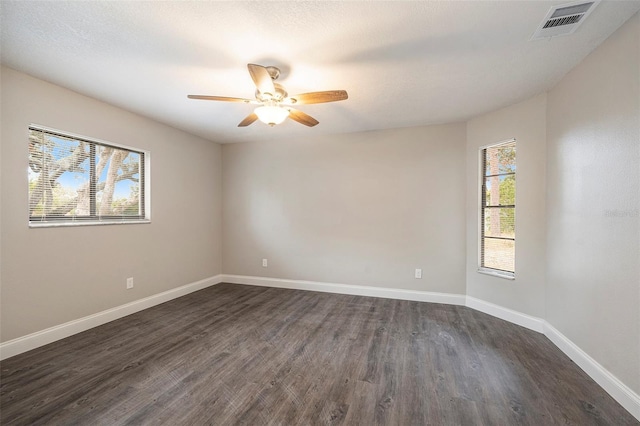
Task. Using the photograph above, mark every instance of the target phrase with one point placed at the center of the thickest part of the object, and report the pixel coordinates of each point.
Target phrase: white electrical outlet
(418, 273)
(264, 263)
(129, 283)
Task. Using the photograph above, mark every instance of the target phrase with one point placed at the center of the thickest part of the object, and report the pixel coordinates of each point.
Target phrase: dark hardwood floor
(234, 354)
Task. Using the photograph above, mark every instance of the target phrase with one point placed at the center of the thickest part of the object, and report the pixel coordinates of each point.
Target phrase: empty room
(297, 213)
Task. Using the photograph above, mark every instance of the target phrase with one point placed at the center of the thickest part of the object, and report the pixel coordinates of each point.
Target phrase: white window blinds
(498, 208)
(76, 179)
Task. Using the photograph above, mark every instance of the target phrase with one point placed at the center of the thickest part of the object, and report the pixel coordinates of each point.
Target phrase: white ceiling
(402, 63)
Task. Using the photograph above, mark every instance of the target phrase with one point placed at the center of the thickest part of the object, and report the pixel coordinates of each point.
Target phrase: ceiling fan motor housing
(278, 96)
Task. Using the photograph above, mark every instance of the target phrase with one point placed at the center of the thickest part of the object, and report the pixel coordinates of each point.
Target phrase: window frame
(145, 186)
(481, 188)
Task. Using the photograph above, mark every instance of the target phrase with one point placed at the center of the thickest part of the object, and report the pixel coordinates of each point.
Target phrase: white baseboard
(610, 383)
(49, 335)
(356, 290)
(515, 317)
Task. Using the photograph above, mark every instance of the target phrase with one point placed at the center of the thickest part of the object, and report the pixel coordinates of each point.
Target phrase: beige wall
(593, 204)
(526, 122)
(359, 208)
(53, 275)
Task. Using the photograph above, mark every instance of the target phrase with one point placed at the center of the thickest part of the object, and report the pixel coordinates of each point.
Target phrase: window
(75, 180)
(498, 209)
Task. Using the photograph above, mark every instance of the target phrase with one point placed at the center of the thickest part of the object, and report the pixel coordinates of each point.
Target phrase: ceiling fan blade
(248, 120)
(318, 97)
(221, 98)
(262, 79)
(302, 118)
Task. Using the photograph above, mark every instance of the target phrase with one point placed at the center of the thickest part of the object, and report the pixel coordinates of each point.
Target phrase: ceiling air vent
(564, 19)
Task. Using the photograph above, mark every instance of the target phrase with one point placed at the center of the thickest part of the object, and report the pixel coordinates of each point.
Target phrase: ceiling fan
(275, 103)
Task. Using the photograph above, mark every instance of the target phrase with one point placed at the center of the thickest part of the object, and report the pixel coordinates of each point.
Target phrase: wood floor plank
(234, 354)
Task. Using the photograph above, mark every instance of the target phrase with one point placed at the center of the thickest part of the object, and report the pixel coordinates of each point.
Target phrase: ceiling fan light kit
(272, 114)
(274, 100)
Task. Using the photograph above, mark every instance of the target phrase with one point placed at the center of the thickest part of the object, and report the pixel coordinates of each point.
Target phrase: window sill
(53, 224)
(496, 273)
